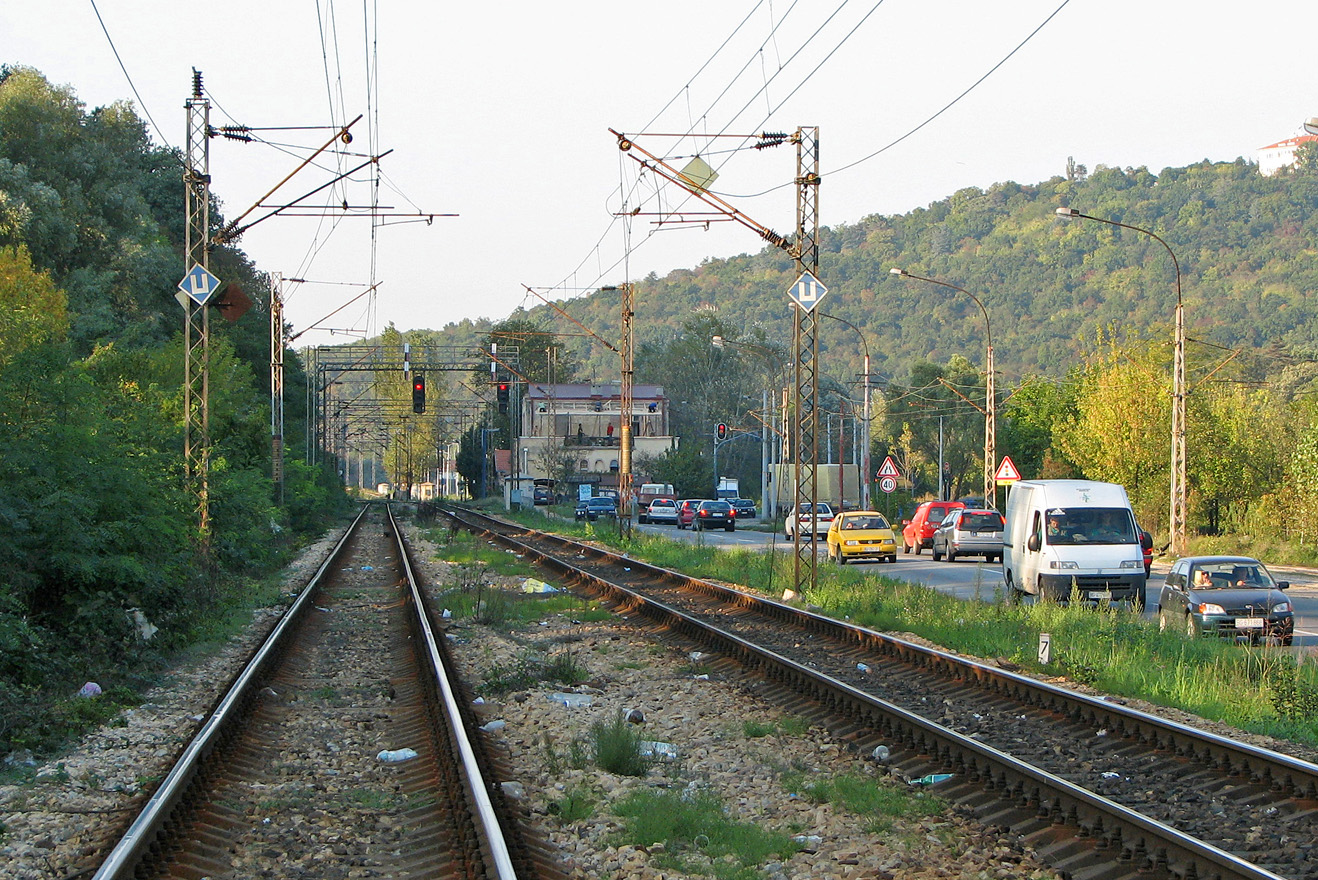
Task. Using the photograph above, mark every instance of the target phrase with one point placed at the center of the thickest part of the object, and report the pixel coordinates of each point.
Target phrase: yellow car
(861, 534)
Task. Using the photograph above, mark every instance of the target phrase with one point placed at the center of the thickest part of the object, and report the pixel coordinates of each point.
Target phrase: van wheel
(951, 555)
(937, 556)
(917, 547)
(906, 548)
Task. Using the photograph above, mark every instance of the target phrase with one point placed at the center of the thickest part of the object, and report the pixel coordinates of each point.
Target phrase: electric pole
(196, 347)
(805, 338)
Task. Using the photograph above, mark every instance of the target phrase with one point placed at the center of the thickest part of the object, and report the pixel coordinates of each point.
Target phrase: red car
(686, 511)
(918, 532)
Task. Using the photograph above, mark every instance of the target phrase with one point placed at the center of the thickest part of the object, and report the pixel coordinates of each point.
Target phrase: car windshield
(1231, 574)
(982, 520)
(718, 506)
(600, 502)
(1090, 525)
(662, 503)
(864, 522)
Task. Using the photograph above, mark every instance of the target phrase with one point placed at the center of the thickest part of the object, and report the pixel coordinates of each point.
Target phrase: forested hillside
(102, 563)
(1245, 243)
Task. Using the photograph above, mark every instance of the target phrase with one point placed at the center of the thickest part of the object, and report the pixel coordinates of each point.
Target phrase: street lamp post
(1177, 513)
(990, 396)
(865, 475)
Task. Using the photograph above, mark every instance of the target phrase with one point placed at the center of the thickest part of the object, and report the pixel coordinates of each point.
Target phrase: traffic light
(721, 432)
(501, 394)
(419, 393)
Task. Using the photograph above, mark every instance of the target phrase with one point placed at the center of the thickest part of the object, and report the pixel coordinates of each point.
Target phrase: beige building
(572, 432)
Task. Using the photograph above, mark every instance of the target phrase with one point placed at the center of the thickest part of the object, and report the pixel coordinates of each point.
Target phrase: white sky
(498, 112)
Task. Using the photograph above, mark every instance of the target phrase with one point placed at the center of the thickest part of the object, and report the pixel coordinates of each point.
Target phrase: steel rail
(499, 859)
(1145, 842)
(1293, 776)
(169, 795)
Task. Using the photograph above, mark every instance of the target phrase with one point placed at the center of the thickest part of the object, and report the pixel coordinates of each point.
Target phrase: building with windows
(1275, 157)
(572, 433)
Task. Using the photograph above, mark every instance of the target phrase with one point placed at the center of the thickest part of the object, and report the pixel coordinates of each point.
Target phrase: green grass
(879, 801)
(791, 725)
(618, 748)
(1121, 653)
(698, 835)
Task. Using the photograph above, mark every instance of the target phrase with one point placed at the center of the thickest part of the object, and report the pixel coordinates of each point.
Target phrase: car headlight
(1064, 565)
(1281, 608)
(851, 543)
(1132, 563)
(1210, 608)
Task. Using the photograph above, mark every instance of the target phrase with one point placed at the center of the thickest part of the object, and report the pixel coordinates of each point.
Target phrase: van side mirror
(1283, 585)
(1033, 543)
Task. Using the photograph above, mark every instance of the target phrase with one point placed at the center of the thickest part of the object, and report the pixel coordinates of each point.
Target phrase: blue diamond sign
(199, 284)
(807, 291)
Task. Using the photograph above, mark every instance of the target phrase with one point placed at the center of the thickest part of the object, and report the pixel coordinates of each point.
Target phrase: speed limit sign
(887, 484)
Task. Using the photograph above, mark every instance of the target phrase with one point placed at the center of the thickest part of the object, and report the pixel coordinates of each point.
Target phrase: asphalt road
(971, 578)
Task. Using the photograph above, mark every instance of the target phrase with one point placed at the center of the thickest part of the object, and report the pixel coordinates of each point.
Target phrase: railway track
(296, 773)
(1097, 787)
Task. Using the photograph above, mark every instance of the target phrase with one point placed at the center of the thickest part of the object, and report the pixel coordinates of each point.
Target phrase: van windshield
(1090, 525)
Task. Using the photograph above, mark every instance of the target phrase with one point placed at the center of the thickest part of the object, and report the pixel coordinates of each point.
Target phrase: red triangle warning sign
(1007, 472)
(889, 468)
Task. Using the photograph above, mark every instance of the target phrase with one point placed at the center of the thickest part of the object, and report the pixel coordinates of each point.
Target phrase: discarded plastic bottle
(931, 779)
(393, 756)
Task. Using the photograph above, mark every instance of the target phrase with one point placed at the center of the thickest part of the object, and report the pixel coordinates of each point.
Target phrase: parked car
(542, 495)
(714, 515)
(593, 508)
(807, 522)
(861, 534)
(918, 531)
(686, 511)
(968, 532)
(1229, 596)
(661, 510)
(745, 508)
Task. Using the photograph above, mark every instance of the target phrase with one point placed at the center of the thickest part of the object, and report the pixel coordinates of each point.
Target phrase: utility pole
(805, 340)
(625, 432)
(277, 384)
(196, 318)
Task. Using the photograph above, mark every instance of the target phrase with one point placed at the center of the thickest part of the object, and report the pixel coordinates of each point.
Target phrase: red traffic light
(721, 431)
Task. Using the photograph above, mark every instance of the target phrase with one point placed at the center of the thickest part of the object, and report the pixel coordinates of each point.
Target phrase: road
(974, 579)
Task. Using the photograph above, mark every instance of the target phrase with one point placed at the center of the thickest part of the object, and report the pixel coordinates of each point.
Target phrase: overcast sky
(499, 112)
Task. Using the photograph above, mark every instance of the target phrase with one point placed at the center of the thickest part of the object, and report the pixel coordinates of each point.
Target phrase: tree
(32, 309)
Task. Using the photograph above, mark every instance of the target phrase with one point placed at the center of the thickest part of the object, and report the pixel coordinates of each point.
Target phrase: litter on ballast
(880, 754)
(932, 779)
(492, 726)
(572, 701)
(394, 756)
(90, 689)
(531, 585)
(660, 751)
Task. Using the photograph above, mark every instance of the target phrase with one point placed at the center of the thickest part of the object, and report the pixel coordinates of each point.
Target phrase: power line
(131, 84)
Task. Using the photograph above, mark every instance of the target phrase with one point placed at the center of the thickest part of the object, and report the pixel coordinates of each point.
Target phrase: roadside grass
(1261, 690)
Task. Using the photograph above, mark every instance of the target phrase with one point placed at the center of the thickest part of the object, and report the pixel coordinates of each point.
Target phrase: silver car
(661, 510)
(969, 532)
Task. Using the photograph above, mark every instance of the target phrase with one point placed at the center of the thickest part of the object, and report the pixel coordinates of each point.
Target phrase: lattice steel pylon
(805, 339)
(196, 318)
(277, 383)
(625, 419)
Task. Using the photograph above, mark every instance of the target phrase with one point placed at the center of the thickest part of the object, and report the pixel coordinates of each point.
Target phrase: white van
(1064, 534)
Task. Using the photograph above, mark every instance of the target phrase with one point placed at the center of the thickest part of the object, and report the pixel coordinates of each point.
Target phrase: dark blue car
(593, 508)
